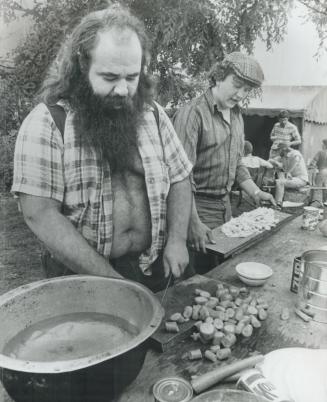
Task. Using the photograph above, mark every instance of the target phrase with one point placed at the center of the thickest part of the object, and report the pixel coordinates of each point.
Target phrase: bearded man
(111, 196)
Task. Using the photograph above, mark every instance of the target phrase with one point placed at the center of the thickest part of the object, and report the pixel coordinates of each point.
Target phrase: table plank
(227, 246)
(279, 251)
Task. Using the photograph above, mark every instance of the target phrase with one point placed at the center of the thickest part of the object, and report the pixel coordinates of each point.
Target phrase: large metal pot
(96, 377)
(312, 291)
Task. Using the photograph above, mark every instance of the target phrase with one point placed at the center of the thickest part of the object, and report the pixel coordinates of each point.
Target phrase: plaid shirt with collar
(47, 166)
(214, 146)
(284, 134)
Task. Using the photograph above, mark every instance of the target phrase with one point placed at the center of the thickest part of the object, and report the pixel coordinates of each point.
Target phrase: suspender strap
(156, 116)
(59, 117)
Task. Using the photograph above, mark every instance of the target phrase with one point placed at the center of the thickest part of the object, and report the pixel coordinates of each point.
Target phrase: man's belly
(131, 216)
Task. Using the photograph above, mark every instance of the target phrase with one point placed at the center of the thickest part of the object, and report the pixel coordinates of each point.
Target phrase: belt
(212, 196)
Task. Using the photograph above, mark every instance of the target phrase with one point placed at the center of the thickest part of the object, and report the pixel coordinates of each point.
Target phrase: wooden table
(278, 251)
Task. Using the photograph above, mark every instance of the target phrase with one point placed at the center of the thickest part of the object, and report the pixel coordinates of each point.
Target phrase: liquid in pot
(70, 336)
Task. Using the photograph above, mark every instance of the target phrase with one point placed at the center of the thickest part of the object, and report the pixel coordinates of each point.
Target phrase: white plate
(253, 270)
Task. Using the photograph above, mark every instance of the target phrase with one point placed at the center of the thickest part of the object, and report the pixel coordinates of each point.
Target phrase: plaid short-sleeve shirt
(284, 134)
(49, 166)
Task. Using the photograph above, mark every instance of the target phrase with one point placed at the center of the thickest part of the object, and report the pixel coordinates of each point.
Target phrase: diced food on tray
(221, 319)
(250, 223)
(171, 326)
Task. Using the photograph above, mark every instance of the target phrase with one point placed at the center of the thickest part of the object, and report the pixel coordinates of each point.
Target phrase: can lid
(172, 389)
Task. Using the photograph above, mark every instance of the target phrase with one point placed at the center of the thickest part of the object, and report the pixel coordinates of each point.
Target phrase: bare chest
(131, 210)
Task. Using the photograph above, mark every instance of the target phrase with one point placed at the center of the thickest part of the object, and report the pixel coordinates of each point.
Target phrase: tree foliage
(317, 13)
(187, 35)
(190, 35)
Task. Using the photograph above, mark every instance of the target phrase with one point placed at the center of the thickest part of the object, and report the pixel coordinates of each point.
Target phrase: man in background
(251, 161)
(319, 162)
(283, 132)
(293, 172)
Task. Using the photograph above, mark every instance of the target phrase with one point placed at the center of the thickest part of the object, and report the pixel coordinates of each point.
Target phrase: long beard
(108, 124)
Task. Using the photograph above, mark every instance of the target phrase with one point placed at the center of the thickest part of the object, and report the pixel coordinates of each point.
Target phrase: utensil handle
(205, 381)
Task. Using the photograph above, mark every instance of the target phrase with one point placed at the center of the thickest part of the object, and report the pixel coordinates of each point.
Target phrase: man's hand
(276, 163)
(264, 196)
(175, 258)
(199, 234)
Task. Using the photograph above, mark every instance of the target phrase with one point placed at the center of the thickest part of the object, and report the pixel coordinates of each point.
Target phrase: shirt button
(151, 180)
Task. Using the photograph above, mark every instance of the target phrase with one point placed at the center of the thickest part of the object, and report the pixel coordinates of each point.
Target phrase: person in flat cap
(211, 130)
(283, 132)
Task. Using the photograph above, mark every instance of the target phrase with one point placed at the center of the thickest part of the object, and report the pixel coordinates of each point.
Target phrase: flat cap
(245, 67)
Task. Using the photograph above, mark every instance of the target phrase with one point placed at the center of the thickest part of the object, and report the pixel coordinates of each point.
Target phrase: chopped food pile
(220, 319)
(249, 223)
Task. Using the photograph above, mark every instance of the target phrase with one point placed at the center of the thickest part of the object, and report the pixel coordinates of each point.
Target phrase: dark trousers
(213, 212)
(126, 266)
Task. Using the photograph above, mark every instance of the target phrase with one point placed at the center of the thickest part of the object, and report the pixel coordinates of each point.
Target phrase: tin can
(296, 274)
(172, 389)
(310, 218)
(253, 381)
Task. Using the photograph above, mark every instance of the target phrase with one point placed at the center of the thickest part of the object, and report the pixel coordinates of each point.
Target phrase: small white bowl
(253, 273)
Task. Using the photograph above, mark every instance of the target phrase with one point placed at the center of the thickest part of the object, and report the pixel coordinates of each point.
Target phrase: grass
(20, 249)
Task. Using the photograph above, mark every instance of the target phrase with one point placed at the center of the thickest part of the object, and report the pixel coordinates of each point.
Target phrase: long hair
(219, 71)
(73, 59)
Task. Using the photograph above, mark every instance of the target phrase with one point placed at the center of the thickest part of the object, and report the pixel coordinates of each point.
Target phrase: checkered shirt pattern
(284, 134)
(47, 166)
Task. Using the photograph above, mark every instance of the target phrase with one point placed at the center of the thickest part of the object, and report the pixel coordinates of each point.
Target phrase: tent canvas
(307, 106)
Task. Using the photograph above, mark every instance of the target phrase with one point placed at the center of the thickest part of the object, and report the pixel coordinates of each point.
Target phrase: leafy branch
(315, 9)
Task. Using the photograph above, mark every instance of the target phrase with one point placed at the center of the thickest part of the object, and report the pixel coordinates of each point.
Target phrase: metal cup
(310, 218)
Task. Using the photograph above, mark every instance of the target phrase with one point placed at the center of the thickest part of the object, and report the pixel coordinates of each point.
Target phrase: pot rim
(63, 366)
(315, 250)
